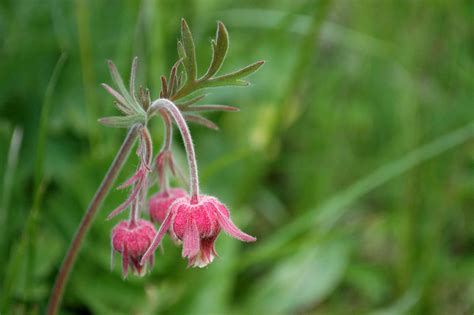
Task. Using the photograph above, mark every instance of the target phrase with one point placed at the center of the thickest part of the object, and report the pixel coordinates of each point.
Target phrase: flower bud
(131, 240)
(160, 203)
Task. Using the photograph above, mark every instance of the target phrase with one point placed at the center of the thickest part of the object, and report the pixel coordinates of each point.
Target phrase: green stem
(104, 188)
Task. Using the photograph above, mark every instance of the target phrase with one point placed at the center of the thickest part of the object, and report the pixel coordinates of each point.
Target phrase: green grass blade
(29, 232)
(8, 180)
(325, 217)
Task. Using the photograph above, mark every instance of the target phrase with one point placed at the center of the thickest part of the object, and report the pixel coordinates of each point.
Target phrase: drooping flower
(161, 201)
(197, 225)
(131, 240)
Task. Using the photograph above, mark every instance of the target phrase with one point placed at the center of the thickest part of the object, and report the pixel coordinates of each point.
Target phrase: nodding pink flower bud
(131, 240)
(160, 203)
(197, 226)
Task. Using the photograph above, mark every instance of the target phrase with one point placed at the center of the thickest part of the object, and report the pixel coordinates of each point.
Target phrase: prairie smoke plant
(192, 219)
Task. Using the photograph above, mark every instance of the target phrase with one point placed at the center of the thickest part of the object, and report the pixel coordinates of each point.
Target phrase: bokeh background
(351, 159)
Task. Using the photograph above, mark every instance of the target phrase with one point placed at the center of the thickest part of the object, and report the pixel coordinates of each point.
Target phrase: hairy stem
(147, 156)
(147, 143)
(104, 188)
(163, 178)
(188, 143)
(168, 130)
(134, 214)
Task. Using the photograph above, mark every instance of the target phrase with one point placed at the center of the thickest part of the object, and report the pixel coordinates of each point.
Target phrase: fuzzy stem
(143, 195)
(188, 143)
(147, 156)
(147, 144)
(104, 188)
(168, 130)
(134, 214)
(163, 178)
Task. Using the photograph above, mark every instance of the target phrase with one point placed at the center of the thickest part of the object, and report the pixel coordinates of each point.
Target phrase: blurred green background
(351, 160)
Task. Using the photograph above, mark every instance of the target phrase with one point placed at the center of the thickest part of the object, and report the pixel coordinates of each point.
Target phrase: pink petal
(158, 237)
(207, 250)
(191, 262)
(191, 240)
(137, 268)
(229, 227)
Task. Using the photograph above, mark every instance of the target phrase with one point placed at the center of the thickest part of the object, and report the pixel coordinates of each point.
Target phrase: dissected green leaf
(120, 102)
(219, 50)
(164, 87)
(191, 101)
(118, 81)
(201, 121)
(133, 76)
(205, 108)
(234, 78)
(122, 121)
(144, 97)
(181, 52)
(173, 84)
(189, 58)
(122, 89)
(133, 105)
(186, 52)
(225, 82)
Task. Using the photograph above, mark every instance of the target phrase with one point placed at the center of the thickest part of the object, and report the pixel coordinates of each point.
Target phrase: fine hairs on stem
(188, 143)
(166, 149)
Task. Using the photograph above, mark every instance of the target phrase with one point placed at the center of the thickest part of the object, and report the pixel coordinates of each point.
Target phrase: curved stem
(163, 178)
(147, 157)
(134, 214)
(71, 255)
(147, 146)
(168, 130)
(188, 143)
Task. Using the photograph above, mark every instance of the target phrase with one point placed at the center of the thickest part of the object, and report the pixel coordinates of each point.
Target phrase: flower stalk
(165, 156)
(104, 188)
(174, 111)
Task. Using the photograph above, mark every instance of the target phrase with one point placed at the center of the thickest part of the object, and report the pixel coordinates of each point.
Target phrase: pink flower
(131, 240)
(160, 203)
(197, 227)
